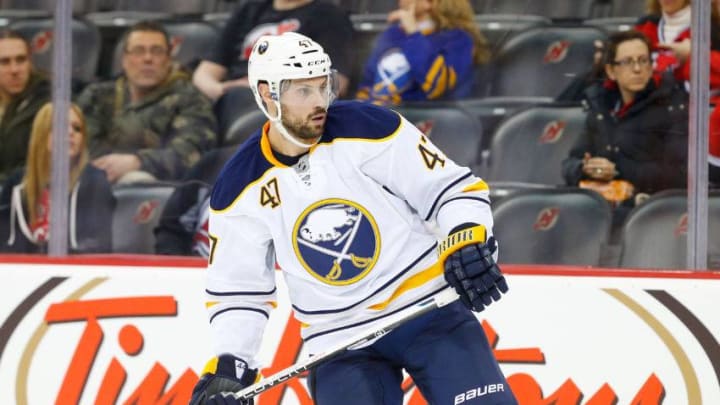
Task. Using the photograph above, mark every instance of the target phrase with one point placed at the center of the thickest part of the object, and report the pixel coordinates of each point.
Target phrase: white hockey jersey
(346, 224)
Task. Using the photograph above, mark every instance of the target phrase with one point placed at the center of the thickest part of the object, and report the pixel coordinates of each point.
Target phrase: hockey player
(338, 195)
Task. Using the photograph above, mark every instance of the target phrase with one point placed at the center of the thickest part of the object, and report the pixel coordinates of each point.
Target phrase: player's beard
(303, 129)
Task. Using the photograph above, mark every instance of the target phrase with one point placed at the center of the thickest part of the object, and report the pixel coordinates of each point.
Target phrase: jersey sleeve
(411, 167)
(240, 283)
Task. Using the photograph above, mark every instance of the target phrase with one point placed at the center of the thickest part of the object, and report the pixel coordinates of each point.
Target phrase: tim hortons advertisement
(79, 333)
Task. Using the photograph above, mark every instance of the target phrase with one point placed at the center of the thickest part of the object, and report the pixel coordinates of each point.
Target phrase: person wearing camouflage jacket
(150, 120)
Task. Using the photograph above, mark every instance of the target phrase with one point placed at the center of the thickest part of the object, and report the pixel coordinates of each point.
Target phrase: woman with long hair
(25, 199)
(667, 26)
(427, 53)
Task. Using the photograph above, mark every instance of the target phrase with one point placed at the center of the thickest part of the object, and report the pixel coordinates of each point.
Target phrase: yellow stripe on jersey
(413, 282)
(266, 149)
(211, 304)
(436, 67)
(440, 84)
(477, 186)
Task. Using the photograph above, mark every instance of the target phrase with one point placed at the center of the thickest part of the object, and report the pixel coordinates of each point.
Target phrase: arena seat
(498, 28)
(173, 6)
(79, 7)
(7, 16)
(654, 234)
(244, 126)
(552, 226)
(612, 24)
(85, 45)
(624, 8)
(530, 145)
(558, 9)
(367, 28)
(457, 133)
(492, 110)
(218, 19)
(136, 215)
(542, 61)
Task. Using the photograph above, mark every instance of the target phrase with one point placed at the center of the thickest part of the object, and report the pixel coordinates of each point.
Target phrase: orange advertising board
(128, 331)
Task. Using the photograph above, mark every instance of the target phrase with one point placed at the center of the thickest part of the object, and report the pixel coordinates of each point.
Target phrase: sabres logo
(337, 241)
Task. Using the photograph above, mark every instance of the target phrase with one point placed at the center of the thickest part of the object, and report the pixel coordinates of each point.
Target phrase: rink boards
(133, 330)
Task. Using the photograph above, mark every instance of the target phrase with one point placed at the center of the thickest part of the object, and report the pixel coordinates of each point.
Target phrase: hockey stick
(441, 299)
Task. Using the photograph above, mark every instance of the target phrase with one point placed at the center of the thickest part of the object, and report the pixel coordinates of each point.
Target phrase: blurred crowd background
(574, 111)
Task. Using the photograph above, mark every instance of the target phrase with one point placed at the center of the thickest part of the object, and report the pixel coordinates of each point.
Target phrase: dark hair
(617, 38)
(12, 34)
(147, 26)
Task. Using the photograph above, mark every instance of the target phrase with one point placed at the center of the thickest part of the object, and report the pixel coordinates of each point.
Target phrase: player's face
(304, 106)
(15, 66)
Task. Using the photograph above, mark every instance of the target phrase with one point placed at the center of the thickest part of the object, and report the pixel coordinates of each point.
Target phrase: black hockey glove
(221, 377)
(470, 268)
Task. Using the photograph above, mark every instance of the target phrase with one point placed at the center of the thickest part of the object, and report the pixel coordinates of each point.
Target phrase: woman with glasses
(25, 199)
(635, 142)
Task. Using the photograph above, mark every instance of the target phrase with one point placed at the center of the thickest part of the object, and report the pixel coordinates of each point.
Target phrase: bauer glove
(221, 377)
(470, 268)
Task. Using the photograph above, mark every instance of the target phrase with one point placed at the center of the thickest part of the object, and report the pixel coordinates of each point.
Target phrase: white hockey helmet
(275, 58)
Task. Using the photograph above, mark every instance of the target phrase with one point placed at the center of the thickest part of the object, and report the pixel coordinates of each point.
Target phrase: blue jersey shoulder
(354, 119)
(245, 166)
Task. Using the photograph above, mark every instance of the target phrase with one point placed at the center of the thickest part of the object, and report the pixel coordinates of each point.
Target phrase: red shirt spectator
(668, 28)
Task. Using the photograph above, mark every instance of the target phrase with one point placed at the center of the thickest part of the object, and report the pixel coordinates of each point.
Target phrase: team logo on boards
(337, 241)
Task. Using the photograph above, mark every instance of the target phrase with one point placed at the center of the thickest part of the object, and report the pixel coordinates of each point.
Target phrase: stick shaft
(439, 300)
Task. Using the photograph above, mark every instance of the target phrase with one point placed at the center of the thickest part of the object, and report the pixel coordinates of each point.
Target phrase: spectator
(25, 199)
(427, 53)
(183, 226)
(151, 123)
(23, 91)
(328, 24)
(668, 28)
(636, 128)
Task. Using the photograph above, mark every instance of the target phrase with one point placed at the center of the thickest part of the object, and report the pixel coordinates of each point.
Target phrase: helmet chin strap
(285, 133)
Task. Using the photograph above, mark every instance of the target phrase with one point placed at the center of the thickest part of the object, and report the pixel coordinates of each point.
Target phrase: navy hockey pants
(445, 351)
